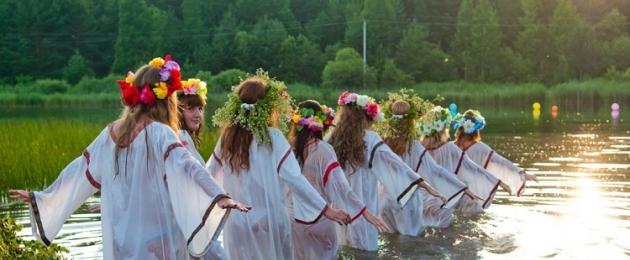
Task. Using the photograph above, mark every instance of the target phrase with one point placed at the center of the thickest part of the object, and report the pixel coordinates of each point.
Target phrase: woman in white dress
(468, 138)
(434, 130)
(157, 201)
(367, 161)
(254, 163)
(399, 133)
(318, 240)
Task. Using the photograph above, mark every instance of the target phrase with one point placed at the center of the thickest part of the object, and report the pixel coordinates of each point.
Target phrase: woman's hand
(505, 187)
(531, 177)
(21, 195)
(337, 215)
(95, 208)
(227, 203)
(433, 191)
(376, 221)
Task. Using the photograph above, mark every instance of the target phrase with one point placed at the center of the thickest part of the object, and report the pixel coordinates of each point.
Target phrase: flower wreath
(391, 126)
(435, 121)
(308, 118)
(170, 82)
(194, 87)
(256, 117)
(369, 106)
(470, 126)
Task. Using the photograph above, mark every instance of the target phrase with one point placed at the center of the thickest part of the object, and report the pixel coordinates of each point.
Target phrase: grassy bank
(569, 95)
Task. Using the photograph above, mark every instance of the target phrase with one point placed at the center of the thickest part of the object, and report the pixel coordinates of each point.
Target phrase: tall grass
(35, 151)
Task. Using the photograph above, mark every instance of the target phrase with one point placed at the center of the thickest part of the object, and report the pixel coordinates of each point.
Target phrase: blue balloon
(453, 108)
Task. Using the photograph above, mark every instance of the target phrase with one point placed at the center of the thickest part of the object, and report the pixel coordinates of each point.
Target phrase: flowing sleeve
(443, 181)
(193, 193)
(308, 205)
(479, 181)
(337, 188)
(506, 171)
(397, 178)
(50, 208)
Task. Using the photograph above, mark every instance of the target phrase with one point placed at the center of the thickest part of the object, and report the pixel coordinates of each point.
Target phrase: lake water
(580, 209)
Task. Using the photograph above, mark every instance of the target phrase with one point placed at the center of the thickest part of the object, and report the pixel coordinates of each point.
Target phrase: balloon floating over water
(536, 106)
(614, 107)
(453, 109)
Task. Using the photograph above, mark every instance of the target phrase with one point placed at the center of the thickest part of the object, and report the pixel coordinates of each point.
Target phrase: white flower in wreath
(469, 126)
(362, 100)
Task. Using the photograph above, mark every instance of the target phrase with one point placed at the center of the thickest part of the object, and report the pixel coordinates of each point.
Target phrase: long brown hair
(461, 137)
(347, 138)
(192, 101)
(235, 140)
(401, 142)
(299, 138)
(164, 111)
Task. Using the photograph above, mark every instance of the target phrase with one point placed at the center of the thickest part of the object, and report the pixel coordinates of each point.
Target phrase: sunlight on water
(580, 209)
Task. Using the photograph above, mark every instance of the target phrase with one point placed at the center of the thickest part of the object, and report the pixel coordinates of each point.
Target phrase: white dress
(215, 250)
(399, 184)
(478, 180)
(265, 231)
(498, 165)
(435, 212)
(161, 205)
(318, 240)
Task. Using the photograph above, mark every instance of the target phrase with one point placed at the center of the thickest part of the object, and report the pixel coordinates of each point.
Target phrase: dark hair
(299, 138)
(236, 140)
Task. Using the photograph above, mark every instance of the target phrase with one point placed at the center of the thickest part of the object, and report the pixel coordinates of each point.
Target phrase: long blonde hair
(164, 111)
(347, 137)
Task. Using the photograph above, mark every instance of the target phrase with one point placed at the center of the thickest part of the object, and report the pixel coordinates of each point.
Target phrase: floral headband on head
(170, 82)
(257, 117)
(307, 118)
(369, 106)
(469, 125)
(194, 87)
(435, 121)
(393, 125)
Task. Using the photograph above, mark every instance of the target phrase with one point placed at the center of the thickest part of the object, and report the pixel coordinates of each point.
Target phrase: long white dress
(399, 184)
(318, 240)
(478, 180)
(435, 213)
(265, 231)
(160, 205)
(498, 165)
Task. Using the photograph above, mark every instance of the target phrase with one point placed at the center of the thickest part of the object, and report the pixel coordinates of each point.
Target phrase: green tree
(420, 58)
(392, 76)
(347, 71)
(260, 47)
(383, 30)
(76, 69)
(300, 60)
(562, 28)
(463, 37)
(613, 25)
(531, 40)
(479, 42)
(140, 34)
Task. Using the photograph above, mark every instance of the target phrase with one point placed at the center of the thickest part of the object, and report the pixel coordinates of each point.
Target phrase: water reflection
(579, 209)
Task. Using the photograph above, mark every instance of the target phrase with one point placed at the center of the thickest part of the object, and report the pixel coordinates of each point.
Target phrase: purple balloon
(615, 107)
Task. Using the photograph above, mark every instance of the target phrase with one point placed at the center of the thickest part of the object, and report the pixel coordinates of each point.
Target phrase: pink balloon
(615, 107)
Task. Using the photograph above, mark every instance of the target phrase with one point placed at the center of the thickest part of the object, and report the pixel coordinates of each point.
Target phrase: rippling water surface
(580, 209)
